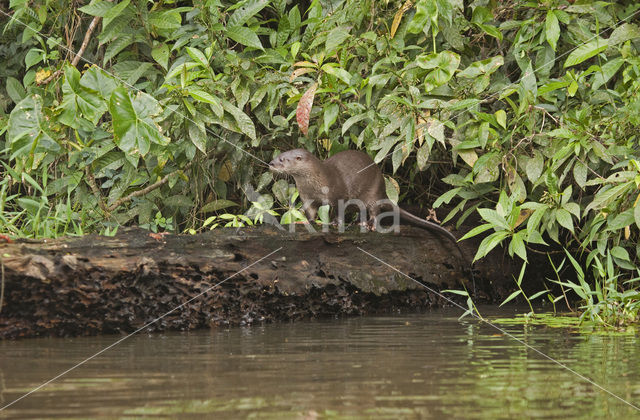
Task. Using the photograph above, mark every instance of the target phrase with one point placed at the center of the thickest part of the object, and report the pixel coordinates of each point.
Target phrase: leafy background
(524, 113)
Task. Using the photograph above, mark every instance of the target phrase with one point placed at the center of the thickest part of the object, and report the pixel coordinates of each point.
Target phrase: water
(428, 365)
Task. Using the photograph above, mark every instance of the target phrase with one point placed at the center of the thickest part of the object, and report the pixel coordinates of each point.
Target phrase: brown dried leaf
(304, 108)
(300, 72)
(305, 64)
(398, 16)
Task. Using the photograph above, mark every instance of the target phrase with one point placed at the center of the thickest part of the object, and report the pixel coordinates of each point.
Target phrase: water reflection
(408, 366)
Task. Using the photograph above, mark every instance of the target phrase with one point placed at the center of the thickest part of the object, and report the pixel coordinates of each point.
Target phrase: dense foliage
(528, 111)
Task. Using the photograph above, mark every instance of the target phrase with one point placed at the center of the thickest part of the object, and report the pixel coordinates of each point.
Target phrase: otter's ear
(298, 157)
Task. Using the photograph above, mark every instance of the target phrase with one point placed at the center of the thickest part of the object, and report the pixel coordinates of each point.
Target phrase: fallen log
(95, 284)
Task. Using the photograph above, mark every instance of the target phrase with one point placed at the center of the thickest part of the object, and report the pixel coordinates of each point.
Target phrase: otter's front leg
(310, 209)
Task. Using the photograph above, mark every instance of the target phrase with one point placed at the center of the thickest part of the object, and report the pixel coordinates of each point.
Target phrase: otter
(347, 175)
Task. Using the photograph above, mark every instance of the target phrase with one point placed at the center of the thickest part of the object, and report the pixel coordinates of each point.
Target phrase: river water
(419, 366)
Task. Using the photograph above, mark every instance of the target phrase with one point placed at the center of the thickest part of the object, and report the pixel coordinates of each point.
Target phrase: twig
(96, 191)
(76, 59)
(146, 190)
(85, 42)
(542, 252)
(566, 300)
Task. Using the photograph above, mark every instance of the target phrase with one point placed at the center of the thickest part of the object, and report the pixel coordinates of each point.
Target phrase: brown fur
(347, 175)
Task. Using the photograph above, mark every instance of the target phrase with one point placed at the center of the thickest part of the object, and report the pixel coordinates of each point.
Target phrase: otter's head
(293, 162)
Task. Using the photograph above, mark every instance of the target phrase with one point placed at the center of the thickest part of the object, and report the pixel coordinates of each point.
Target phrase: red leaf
(304, 108)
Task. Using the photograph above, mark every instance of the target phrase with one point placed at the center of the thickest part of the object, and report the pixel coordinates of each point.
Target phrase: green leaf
(528, 80)
(397, 157)
(551, 86)
(636, 214)
(281, 190)
(586, 51)
(487, 167)
(97, 8)
(483, 67)
(203, 96)
(535, 237)
(244, 36)
(119, 44)
(426, 12)
(335, 38)
(178, 200)
(491, 30)
(114, 12)
(177, 70)
(217, 205)
(538, 294)
(245, 10)
(28, 130)
(534, 166)
(330, 116)
(131, 71)
(78, 101)
(620, 253)
(160, 53)
(392, 188)
(352, 120)
(442, 66)
(580, 174)
(620, 221)
(30, 205)
(445, 10)
(511, 297)
(15, 90)
(481, 14)
(517, 246)
(244, 122)
(165, 20)
(605, 196)
(422, 156)
(95, 79)
(133, 126)
(198, 56)
(446, 197)
(323, 214)
(198, 135)
(552, 29)
(564, 218)
(489, 243)
(341, 74)
(457, 105)
(494, 218)
(265, 179)
(607, 71)
(624, 33)
(501, 118)
(457, 292)
(33, 57)
(477, 230)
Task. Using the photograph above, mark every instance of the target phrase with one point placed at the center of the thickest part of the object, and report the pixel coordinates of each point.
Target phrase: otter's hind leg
(384, 209)
(373, 210)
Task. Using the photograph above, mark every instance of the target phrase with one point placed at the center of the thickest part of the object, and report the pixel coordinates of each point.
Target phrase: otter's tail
(434, 227)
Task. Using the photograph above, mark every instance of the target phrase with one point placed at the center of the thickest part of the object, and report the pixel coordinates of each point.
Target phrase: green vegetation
(528, 111)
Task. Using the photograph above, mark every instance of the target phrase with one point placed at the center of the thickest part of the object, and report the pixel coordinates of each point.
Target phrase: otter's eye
(298, 158)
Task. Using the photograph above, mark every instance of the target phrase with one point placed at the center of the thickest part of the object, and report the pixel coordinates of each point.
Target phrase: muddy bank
(93, 284)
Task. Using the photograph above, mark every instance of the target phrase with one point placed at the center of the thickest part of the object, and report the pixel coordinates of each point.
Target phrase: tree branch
(146, 190)
(96, 191)
(78, 55)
